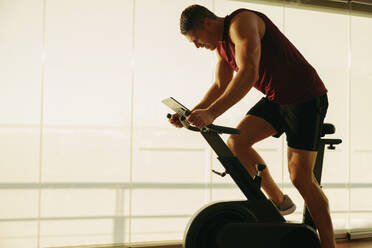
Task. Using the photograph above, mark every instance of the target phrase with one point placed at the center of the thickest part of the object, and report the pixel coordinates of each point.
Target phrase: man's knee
(231, 143)
(234, 142)
(300, 177)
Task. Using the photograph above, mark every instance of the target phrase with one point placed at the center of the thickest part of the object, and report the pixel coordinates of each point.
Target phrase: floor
(363, 243)
(355, 244)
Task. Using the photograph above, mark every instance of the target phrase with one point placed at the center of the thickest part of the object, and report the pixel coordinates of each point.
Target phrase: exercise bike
(255, 222)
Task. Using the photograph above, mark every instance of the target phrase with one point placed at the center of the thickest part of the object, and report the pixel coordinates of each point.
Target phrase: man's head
(201, 26)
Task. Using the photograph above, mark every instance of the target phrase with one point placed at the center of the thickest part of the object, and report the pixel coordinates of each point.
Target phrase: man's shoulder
(244, 16)
(245, 21)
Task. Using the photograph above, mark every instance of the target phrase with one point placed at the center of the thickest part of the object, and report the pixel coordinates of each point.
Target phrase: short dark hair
(193, 17)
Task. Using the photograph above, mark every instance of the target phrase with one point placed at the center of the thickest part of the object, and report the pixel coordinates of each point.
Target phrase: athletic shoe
(287, 206)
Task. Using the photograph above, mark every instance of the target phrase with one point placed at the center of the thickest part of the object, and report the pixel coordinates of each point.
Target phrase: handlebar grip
(260, 167)
(170, 116)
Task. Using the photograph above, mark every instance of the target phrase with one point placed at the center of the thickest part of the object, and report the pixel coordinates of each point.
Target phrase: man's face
(201, 38)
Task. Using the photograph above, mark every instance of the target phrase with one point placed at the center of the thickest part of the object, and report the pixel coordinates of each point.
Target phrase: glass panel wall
(87, 155)
(360, 122)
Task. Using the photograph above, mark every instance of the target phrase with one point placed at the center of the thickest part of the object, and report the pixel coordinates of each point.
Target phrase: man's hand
(200, 118)
(174, 120)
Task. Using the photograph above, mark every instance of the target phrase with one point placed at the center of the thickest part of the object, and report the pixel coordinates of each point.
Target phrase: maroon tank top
(285, 76)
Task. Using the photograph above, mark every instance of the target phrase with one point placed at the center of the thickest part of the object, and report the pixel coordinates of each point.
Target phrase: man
(248, 43)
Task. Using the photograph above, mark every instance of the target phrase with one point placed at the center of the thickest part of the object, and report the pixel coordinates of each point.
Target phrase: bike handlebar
(209, 128)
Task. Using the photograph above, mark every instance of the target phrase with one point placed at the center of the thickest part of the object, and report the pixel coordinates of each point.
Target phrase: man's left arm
(245, 33)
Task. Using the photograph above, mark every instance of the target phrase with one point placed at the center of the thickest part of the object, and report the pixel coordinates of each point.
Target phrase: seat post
(318, 167)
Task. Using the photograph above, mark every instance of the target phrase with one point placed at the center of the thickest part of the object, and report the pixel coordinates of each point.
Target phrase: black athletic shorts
(300, 122)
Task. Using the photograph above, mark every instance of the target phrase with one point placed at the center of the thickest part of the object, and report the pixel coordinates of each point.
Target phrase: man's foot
(287, 206)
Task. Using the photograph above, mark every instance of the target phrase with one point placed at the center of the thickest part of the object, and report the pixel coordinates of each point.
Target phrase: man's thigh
(301, 163)
(269, 112)
(303, 122)
(253, 129)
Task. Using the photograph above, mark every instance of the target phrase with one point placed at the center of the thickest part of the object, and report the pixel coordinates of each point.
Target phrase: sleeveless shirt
(285, 77)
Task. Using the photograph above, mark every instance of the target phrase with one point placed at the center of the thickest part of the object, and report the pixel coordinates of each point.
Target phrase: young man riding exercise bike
(295, 101)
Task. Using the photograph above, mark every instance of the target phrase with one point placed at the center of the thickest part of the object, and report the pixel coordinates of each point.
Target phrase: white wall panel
(171, 166)
(166, 63)
(57, 233)
(334, 172)
(361, 120)
(359, 200)
(340, 222)
(19, 154)
(88, 47)
(18, 203)
(168, 201)
(361, 103)
(169, 155)
(67, 211)
(360, 221)
(18, 214)
(149, 204)
(20, 234)
(69, 153)
(20, 98)
(20, 61)
(87, 118)
(360, 166)
(97, 83)
(162, 228)
(78, 202)
(228, 192)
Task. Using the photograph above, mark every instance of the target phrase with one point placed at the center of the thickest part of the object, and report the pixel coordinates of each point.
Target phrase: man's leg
(254, 129)
(300, 165)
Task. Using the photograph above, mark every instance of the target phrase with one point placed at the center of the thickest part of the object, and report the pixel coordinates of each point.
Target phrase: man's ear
(207, 23)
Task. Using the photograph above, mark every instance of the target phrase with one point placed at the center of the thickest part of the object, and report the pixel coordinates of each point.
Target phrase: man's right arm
(224, 74)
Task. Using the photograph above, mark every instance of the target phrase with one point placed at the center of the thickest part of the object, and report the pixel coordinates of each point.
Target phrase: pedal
(260, 168)
(258, 178)
(222, 174)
